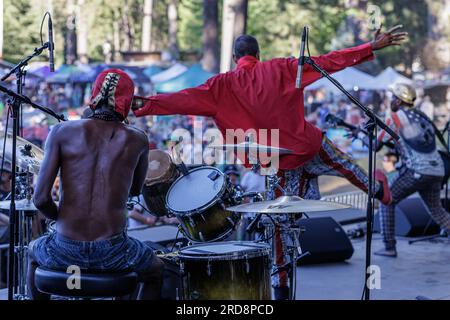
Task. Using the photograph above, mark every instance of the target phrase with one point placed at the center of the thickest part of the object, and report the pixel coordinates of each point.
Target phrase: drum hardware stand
(371, 126)
(295, 251)
(441, 234)
(16, 105)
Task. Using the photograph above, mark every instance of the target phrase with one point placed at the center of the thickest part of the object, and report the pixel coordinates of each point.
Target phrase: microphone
(301, 58)
(51, 45)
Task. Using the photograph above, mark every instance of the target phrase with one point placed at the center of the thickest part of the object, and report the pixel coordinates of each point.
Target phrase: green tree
(190, 26)
(21, 29)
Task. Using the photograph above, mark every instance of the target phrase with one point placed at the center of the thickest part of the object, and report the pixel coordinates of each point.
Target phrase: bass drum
(161, 173)
(230, 270)
(198, 200)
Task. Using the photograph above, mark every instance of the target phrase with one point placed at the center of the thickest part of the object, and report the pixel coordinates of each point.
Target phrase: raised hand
(388, 38)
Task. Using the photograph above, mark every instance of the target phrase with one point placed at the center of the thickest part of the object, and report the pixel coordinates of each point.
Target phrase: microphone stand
(371, 125)
(18, 99)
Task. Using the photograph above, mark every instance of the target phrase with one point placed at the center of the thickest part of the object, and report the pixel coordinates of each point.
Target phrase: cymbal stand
(24, 232)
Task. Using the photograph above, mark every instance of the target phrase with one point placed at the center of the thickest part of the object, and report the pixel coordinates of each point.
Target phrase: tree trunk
(50, 6)
(116, 40)
(210, 60)
(128, 27)
(233, 24)
(70, 48)
(240, 24)
(147, 26)
(1, 29)
(172, 14)
(82, 34)
(436, 53)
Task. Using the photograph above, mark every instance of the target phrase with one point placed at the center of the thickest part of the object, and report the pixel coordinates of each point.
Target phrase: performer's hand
(388, 38)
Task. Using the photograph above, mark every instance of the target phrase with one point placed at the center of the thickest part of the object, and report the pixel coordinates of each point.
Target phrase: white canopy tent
(350, 78)
(174, 71)
(388, 77)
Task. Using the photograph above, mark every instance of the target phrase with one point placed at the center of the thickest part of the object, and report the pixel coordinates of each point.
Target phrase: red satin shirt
(260, 95)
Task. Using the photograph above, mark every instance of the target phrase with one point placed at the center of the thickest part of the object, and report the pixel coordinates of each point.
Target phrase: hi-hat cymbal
(251, 147)
(28, 155)
(288, 204)
(21, 205)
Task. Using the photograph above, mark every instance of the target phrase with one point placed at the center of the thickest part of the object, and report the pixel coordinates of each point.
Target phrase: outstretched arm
(49, 170)
(341, 59)
(201, 101)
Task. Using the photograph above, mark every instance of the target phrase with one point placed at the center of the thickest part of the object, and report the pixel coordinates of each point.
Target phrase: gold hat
(405, 92)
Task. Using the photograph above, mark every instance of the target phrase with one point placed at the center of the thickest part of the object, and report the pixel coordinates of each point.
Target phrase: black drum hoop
(208, 205)
(259, 250)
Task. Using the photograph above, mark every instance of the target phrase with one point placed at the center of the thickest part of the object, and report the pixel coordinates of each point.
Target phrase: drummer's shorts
(116, 254)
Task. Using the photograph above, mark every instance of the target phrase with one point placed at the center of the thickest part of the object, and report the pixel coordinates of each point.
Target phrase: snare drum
(230, 270)
(161, 173)
(198, 200)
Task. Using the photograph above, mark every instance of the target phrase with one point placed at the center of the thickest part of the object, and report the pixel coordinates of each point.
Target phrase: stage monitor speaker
(412, 219)
(325, 240)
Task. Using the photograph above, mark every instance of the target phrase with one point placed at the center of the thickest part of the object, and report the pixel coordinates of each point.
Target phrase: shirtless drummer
(101, 162)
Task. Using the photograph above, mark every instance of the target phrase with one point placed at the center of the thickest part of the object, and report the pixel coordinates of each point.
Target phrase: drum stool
(93, 285)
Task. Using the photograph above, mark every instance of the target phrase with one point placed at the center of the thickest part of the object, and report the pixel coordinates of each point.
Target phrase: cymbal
(252, 147)
(29, 156)
(21, 205)
(288, 204)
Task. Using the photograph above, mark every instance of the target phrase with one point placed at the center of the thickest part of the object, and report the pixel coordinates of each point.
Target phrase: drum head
(159, 166)
(225, 250)
(195, 190)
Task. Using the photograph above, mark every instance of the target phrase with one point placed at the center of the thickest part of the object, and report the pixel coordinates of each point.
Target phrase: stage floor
(421, 269)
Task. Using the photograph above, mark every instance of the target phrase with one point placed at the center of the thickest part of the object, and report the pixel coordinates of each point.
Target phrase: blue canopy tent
(152, 70)
(192, 77)
(62, 74)
(86, 73)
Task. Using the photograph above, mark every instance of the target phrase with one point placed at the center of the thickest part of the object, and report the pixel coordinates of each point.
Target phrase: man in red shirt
(262, 95)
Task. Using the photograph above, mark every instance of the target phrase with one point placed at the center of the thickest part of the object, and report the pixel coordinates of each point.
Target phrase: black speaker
(412, 219)
(325, 240)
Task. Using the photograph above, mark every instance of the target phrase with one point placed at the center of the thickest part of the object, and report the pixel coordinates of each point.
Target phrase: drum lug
(231, 221)
(247, 265)
(192, 222)
(203, 217)
(181, 268)
(208, 269)
(221, 203)
(200, 235)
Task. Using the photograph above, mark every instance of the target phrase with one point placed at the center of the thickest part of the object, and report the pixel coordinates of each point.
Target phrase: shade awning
(350, 78)
(173, 72)
(193, 77)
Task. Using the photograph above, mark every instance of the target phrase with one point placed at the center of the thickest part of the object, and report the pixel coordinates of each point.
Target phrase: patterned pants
(429, 188)
(303, 182)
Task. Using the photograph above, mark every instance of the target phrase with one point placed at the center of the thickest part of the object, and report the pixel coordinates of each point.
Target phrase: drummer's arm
(200, 101)
(47, 174)
(141, 170)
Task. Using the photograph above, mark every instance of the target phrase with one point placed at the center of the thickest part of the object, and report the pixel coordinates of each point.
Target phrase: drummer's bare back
(101, 163)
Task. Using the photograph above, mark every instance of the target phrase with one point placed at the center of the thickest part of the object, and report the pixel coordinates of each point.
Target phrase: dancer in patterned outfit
(421, 169)
(262, 95)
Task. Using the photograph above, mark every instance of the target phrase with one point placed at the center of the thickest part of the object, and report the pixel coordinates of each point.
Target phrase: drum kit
(208, 208)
